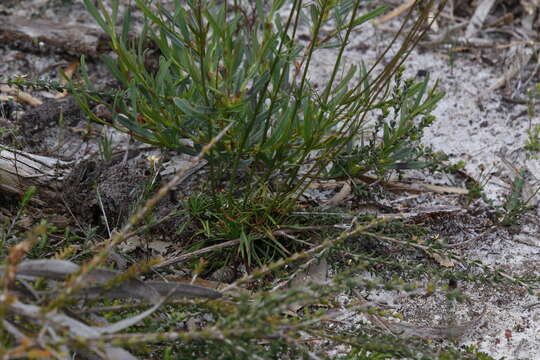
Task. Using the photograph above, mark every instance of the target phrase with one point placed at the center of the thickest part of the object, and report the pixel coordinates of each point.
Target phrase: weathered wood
(41, 35)
(20, 170)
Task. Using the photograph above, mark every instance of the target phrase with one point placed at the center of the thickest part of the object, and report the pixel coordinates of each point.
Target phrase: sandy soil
(479, 127)
(488, 133)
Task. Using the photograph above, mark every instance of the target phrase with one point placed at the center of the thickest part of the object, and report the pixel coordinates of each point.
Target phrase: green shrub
(222, 64)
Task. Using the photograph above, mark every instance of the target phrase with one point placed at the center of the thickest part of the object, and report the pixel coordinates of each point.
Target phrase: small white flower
(153, 159)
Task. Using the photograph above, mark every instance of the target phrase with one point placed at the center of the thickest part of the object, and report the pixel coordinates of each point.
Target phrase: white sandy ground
(480, 136)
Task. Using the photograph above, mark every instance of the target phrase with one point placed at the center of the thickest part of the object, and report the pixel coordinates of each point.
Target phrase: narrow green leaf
(189, 109)
(89, 4)
(126, 25)
(112, 65)
(135, 127)
(370, 15)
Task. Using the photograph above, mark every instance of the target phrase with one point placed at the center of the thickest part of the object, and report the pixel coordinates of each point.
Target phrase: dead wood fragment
(152, 291)
(413, 187)
(396, 12)
(20, 170)
(185, 257)
(40, 35)
(20, 95)
(340, 196)
(423, 213)
(480, 15)
(67, 75)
